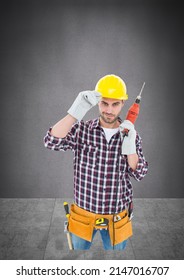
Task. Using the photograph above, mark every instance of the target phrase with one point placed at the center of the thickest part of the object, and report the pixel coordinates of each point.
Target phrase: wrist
(133, 160)
(77, 112)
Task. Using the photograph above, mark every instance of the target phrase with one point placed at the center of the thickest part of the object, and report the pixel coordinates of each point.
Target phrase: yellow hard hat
(112, 86)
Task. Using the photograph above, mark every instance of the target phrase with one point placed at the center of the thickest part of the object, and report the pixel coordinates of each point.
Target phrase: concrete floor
(33, 229)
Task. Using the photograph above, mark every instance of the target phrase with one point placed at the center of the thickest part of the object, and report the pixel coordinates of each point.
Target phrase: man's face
(110, 109)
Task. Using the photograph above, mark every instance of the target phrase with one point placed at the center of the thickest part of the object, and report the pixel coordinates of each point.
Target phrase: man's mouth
(109, 115)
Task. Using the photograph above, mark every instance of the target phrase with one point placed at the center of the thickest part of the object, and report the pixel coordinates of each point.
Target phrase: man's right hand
(83, 103)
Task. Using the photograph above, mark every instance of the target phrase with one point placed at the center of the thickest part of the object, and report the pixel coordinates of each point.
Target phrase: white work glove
(83, 103)
(128, 142)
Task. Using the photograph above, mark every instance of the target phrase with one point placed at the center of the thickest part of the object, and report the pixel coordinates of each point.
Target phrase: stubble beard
(109, 120)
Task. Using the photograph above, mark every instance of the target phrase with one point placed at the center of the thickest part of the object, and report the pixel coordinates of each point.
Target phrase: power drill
(133, 111)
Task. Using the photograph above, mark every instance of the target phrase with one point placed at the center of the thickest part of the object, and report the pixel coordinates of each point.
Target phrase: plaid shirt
(101, 173)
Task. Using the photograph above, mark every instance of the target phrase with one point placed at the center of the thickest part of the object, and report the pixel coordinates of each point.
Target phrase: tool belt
(82, 223)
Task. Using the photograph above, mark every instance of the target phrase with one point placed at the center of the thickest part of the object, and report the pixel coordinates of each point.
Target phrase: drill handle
(125, 132)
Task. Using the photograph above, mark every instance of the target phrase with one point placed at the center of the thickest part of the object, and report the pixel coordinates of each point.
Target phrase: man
(104, 161)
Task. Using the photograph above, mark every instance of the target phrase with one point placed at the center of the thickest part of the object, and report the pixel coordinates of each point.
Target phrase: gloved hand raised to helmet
(83, 103)
(128, 142)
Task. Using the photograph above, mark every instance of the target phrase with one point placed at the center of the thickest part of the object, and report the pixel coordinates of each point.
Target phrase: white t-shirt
(109, 132)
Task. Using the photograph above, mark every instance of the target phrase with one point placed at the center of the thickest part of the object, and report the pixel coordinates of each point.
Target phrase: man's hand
(128, 145)
(83, 103)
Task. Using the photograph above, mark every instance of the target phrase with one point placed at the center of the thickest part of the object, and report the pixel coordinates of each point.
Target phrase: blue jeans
(81, 244)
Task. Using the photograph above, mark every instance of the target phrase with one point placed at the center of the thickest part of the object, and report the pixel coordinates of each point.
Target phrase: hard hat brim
(112, 97)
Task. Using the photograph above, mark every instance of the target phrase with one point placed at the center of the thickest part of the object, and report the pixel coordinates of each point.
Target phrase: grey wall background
(51, 50)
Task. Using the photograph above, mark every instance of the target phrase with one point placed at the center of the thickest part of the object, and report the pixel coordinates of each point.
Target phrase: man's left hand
(128, 142)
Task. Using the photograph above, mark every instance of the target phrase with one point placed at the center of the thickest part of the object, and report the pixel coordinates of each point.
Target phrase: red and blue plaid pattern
(101, 173)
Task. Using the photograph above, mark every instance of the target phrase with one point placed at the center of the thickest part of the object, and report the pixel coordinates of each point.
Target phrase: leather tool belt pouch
(82, 224)
(122, 228)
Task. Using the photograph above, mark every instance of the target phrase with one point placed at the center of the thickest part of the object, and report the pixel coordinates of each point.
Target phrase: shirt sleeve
(62, 144)
(142, 165)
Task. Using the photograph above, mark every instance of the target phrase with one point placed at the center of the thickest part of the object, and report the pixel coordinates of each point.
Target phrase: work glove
(128, 142)
(83, 103)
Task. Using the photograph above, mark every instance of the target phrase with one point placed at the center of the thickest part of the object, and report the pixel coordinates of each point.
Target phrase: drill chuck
(138, 100)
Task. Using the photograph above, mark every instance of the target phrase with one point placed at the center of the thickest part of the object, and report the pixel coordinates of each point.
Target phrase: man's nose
(109, 110)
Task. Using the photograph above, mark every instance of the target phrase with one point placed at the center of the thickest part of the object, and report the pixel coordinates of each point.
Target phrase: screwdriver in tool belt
(133, 111)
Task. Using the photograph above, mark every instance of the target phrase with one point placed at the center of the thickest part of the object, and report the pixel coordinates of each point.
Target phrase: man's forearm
(133, 160)
(62, 127)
